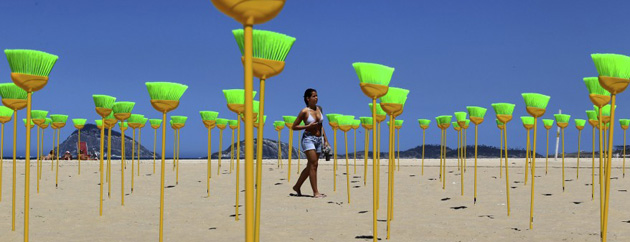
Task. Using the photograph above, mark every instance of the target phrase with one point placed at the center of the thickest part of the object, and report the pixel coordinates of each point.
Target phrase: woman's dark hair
(308, 94)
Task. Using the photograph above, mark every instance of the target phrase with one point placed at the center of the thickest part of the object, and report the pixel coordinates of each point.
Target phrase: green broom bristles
(579, 122)
(179, 119)
(103, 101)
(395, 95)
(373, 73)
(592, 115)
(624, 122)
(144, 121)
(477, 112)
(398, 122)
(266, 44)
(527, 120)
(499, 123)
(79, 121)
(379, 109)
(356, 124)
(255, 109)
(467, 122)
(503, 108)
(165, 90)
(38, 114)
(6, 112)
(12, 91)
(366, 120)
(48, 121)
(332, 117)
(155, 121)
(110, 116)
(548, 122)
(455, 125)
(209, 115)
(24, 120)
(98, 122)
(444, 119)
(291, 119)
(612, 65)
(460, 116)
(233, 122)
(562, 118)
(32, 62)
(236, 96)
(424, 122)
(593, 86)
(123, 107)
(221, 121)
(536, 100)
(605, 109)
(345, 120)
(278, 124)
(59, 118)
(264, 119)
(123, 124)
(135, 118)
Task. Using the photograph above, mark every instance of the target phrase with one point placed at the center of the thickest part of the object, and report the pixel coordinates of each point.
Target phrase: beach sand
(422, 210)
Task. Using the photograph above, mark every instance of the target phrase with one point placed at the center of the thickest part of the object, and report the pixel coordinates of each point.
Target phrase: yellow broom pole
(133, 157)
(374, 174)
(444, 166)
(475, 195)
(398, 144)
(501, 154)
(109, 162)
(177, 175)
(461, 158)
(163, 171)
(38, 163)
(238, 166)
(14, 169)
(578, 159)
(608, 167)
(378, 167)
(138, 149)
(345, 134)
(122, 168)
(390, 169)
(279, 149)
(365, 155)
(208, 175)
(507, 175)
(441, 152)
(290, 154)
(232, 153)
(423, 136)
(57, 169)
(154, 144)
(79, 150)
(593, 167)
(531, 206)
(1, 156)
(27, 166)
(527, 158)
(624, 153)
(601, 183)
(355, 152)
(562, 159)
(547, 154)
(54, 144)
(174, 149)
(220, 149)
(334, 159)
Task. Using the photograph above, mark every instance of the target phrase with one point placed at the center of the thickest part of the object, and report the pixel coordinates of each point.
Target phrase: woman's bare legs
(311, 172)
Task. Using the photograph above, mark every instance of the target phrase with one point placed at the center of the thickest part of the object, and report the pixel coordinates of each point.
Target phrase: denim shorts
(312, 142)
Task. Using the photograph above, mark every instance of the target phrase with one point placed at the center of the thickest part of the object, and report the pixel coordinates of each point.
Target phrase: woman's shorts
(311, 142)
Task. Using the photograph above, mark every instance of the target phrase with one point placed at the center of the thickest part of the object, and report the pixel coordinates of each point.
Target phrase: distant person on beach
(312, 141)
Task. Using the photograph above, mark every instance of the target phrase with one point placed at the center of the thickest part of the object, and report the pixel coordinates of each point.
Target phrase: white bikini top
(310, 118)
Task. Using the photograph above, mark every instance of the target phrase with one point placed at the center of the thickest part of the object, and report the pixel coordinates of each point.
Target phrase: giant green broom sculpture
(355, 125)
(122, 112)
(624, 123)
(164, 98)
(344, 123)
(155, 124)
(424, 125)
(104, 106)
(504, 115)
(562, 120)
(374, 82)
(29, 71)
(579, 125)
(288, 121)
(393, 104)
(134, 121)
(366, 123)
(233, 124)
(78, 124)
(476, 115)
(614, 76)
(593, 121)
(221, 123)
(178, 122)
(249, 13)
(279, 125)
(59, 121)
(236, 100)
(548, 123)
(14, 98)
(5, 116)
(332, 121)
(443, 123)
(39, 118)
(209, 119)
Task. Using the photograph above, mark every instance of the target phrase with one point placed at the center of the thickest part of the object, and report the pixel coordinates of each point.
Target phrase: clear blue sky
(450, 54)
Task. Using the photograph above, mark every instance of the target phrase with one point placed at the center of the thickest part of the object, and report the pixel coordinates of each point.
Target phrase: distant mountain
(92, 136)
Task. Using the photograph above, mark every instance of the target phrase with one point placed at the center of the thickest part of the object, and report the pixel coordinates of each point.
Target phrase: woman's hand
(313, 124)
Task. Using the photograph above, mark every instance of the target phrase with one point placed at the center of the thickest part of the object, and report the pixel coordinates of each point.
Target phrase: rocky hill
(91, 135)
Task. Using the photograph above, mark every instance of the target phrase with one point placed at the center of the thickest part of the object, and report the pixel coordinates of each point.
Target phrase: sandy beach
(422, 210)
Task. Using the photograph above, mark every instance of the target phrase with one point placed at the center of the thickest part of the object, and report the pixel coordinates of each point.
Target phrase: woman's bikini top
(310, 118)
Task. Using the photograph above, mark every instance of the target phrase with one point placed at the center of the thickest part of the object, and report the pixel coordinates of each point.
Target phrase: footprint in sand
(459, 207)
(446, 199)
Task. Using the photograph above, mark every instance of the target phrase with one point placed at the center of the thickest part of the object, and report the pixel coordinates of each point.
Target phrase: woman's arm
(298, 120)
